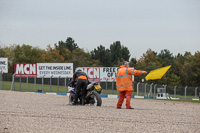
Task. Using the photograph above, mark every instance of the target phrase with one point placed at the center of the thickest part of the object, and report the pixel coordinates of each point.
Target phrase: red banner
(25, 69)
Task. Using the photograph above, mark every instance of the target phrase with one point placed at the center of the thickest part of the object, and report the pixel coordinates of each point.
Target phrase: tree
(147, 62)
(102, 54)
(115, 50)
(133, 62)
(118, 53)
(195, 61)
(70, 44)
(8, 52)
(125, 53)
(165, 57)
(190, 73)
(82, 59)
(2, 52)
(27, 54)
(65, 48)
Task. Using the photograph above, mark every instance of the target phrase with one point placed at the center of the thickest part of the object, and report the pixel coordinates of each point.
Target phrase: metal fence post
(13, 82)
(106, 85)
(196, 92)
(165, 86)
(138, 89)
(27, 83)
(112, 87)
(175, 91)
(20, 81)
(58, 85)
(50, 82)
(35, 83)
(185, 91)
(155, 90)
(43, 83)
(145, 88)
(150, 91)
(1, 80)
(65, 85)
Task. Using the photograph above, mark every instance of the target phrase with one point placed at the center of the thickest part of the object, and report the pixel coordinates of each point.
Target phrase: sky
(138, 24)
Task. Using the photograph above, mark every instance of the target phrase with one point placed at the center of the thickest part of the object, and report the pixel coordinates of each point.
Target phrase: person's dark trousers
(81, 84)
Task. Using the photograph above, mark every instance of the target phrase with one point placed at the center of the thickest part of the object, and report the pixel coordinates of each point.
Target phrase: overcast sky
(137, 24)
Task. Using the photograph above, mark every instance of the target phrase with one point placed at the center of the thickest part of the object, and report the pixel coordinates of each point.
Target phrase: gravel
(40, 113)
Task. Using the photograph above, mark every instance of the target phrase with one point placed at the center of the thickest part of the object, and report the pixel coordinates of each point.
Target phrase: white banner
(4, 65)
(100, 73)
(55, 69)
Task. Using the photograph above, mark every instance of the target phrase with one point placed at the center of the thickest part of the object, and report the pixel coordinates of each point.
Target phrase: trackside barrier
(169, 92)
(42, 77)
(59, 85)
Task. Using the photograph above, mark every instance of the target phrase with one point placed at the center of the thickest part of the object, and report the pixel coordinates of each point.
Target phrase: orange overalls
(124, 84)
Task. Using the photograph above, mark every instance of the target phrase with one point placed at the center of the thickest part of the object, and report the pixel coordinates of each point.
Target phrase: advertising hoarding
(4, 65)
(101, 73)
(55, 69)
(43, 69)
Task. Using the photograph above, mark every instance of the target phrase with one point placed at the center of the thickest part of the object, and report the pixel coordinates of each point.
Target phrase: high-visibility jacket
(124, 78)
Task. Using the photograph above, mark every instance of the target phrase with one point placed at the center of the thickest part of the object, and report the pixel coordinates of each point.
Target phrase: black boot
(83, 100)
(76, 99)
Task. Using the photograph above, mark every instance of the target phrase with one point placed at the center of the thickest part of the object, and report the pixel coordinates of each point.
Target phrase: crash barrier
(60, 85)
(53, 84)
(39, 83)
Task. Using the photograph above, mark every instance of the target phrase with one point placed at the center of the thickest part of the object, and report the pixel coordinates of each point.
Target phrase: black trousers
(81, 86)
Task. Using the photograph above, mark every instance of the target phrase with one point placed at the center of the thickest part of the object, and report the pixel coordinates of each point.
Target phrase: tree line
(185, 68)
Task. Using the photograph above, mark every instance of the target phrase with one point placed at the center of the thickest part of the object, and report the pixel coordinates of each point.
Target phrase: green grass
(32, 88)
(45, 88)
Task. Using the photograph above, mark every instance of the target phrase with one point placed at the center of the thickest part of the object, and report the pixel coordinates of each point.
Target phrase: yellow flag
(157, 73)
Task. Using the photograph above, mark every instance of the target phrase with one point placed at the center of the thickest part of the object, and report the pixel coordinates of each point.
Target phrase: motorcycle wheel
(96, 100)
(71, 99)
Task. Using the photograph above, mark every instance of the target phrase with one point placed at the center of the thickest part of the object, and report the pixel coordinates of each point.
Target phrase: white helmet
(78, 69)
(126, 63)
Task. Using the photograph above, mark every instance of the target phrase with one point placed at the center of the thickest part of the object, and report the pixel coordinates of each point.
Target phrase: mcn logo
(92, 73)
(26, 68)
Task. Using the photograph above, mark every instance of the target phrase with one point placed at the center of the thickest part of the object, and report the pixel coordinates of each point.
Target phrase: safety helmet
(78, 69)
(125, 63)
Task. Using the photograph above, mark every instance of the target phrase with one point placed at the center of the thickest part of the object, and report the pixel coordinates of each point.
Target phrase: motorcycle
(92, 97)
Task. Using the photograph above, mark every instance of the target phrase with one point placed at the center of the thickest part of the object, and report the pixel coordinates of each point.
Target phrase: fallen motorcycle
(92, 97)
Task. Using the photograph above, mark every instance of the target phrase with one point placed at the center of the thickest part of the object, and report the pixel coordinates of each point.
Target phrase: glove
(145, 72)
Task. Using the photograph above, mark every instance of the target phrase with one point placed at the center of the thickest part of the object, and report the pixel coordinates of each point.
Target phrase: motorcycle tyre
(98, 98)
(71, 99)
